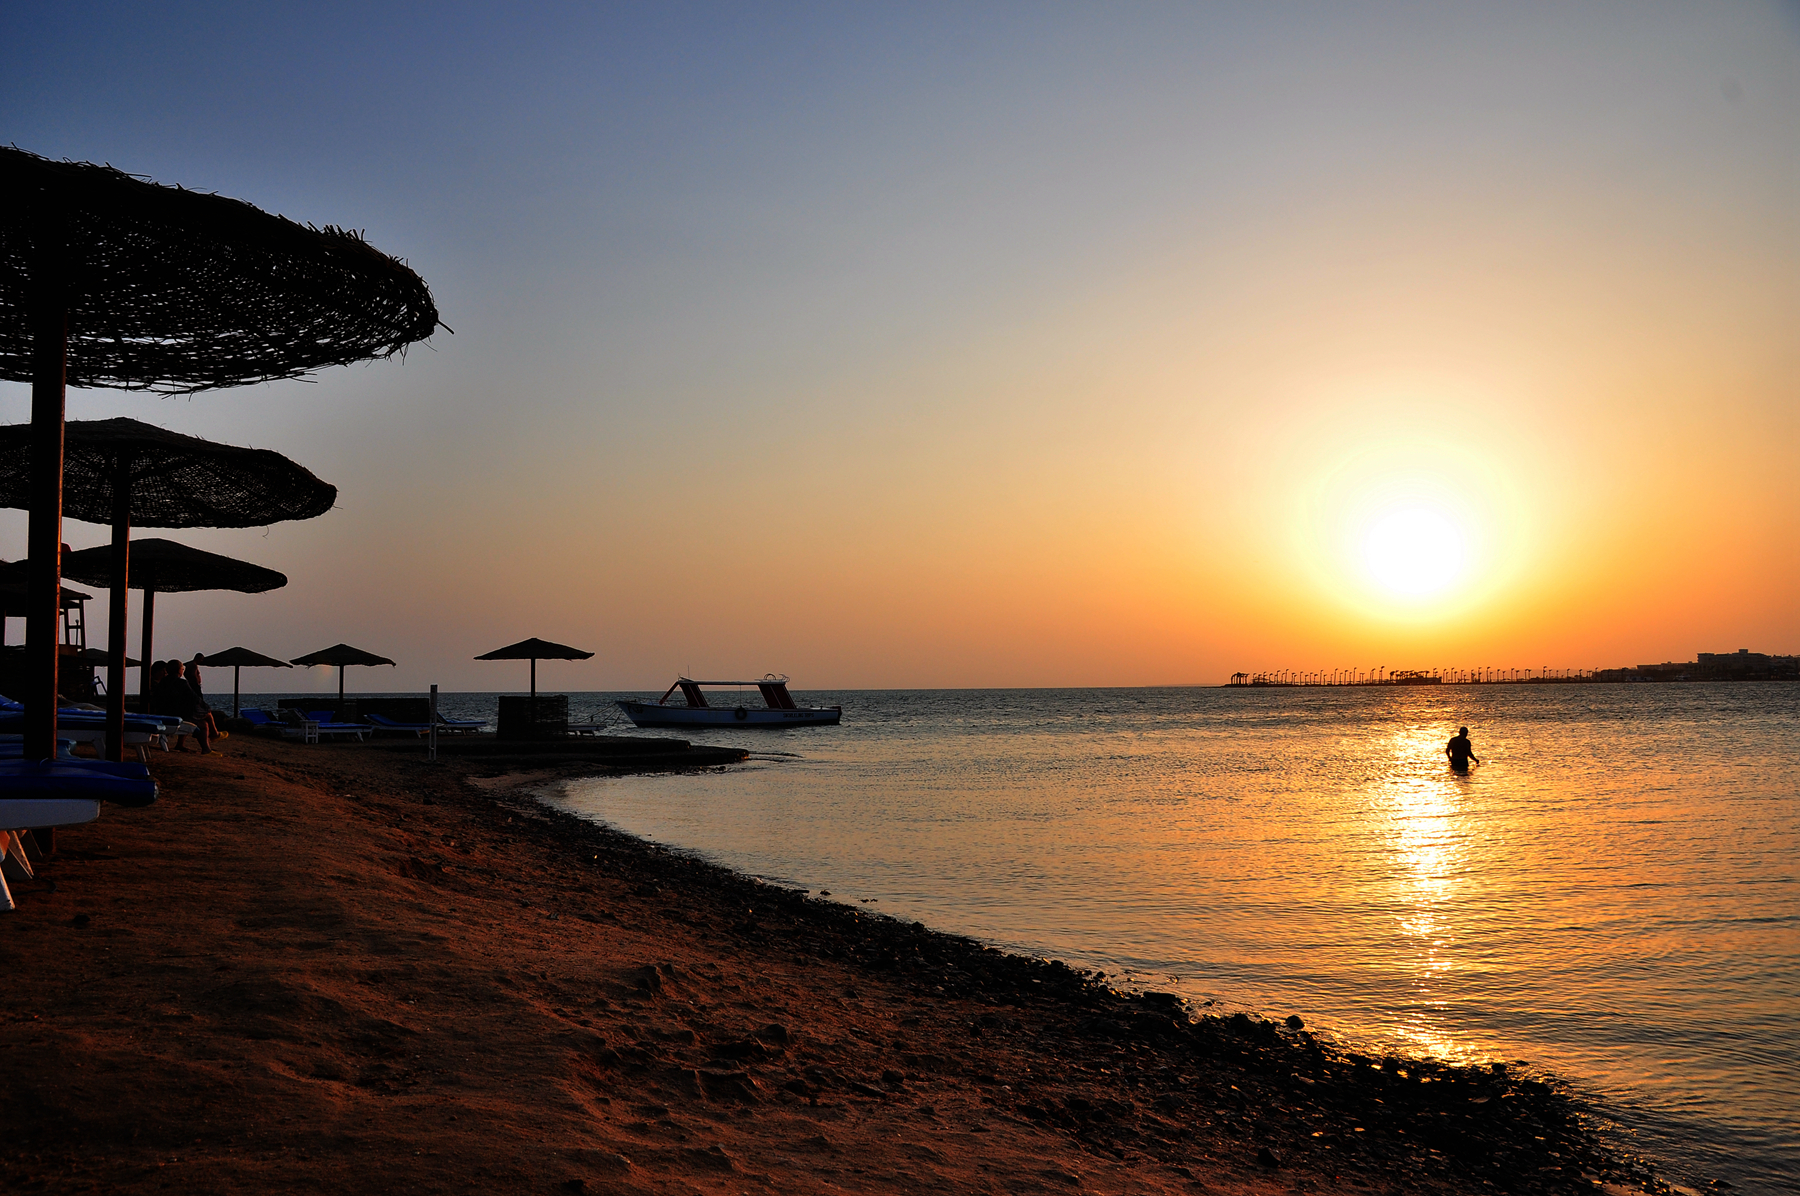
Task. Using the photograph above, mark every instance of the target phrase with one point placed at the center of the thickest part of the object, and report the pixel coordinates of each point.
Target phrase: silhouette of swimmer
(1460, 750)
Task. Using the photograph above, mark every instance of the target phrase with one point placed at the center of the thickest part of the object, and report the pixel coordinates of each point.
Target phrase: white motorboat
(778, 709)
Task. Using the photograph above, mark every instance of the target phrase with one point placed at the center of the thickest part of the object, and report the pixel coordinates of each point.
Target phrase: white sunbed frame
(19, 816)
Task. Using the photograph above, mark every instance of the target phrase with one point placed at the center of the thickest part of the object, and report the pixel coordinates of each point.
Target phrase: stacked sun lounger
(39, 795)
(83, 724)
(307, 728)
(383, 723)
(327, 723)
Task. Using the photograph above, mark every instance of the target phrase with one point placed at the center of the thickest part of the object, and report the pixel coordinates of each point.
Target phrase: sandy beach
(344, 969)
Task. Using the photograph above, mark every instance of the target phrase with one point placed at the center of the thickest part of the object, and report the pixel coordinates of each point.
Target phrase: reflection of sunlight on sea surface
(1612, 893)
(1415, 806)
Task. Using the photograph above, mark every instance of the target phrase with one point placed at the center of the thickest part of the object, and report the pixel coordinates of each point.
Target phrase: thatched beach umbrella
(110, 280)
(163, 566)
(535, 650)
(122, 472)
(240, 659)
(341, 655)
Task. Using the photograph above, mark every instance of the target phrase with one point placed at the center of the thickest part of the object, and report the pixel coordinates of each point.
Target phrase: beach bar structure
(111, 280)
(534, 718)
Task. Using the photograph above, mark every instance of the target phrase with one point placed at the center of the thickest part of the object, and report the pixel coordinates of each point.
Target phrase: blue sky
(1001, 344)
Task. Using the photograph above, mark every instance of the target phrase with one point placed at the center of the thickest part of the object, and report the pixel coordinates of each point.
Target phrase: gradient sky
(915, 346)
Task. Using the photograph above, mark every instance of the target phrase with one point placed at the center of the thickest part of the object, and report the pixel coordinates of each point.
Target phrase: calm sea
(1613, 895)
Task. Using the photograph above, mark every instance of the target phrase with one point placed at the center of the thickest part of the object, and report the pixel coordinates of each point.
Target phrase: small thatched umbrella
(240, 659)
(110, 280)
(535, 650)
(341, 655)
(123, 472)
(163, 566)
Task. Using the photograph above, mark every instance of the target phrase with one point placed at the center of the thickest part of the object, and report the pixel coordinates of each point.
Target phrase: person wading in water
(1461, 751)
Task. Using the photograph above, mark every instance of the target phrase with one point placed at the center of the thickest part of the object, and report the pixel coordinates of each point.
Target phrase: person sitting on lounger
(180, 700)
(206, 710)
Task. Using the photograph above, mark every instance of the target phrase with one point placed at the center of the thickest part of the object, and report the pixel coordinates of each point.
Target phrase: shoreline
(348, 969)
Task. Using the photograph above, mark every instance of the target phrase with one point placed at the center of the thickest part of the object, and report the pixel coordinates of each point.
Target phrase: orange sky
(945, 356)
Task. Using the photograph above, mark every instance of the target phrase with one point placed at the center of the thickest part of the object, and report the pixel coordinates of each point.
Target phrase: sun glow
(1414, 552)
(1398, 524)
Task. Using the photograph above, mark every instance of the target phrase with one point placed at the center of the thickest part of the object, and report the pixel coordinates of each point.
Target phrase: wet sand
(342, 969)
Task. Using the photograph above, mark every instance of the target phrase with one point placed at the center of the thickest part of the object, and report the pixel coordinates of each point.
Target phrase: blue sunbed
(12, 747)
(383, 723)
(328, 724)
(30, 782)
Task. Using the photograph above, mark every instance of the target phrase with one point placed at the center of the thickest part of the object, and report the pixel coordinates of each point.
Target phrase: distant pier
(1742, 665)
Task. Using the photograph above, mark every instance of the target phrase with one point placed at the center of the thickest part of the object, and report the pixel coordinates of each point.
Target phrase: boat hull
(649, 714)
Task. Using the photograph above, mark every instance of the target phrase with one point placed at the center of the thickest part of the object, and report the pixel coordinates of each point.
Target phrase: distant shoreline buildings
(1742, 665)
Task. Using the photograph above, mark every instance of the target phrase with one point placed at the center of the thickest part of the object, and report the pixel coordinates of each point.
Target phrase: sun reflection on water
(1418, 805)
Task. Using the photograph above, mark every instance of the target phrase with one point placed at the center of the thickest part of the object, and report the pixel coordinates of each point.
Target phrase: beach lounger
(295, 725)
(50, 793)
(445, 723)
(25, 782)
(289, 724)
(326, 724)
(383, 723)
(85, 726)
(12, 747)
(262, 720)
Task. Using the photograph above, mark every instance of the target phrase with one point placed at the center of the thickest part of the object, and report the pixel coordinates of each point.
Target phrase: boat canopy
(772, 687)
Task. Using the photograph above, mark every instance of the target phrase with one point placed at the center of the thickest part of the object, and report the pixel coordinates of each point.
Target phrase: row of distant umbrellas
(343, 655)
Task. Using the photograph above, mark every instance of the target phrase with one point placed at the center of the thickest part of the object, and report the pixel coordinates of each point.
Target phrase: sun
(1414, 552)
(1394, 525)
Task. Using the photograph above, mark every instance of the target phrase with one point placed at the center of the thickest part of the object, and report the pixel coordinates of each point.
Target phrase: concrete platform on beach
(636, 753)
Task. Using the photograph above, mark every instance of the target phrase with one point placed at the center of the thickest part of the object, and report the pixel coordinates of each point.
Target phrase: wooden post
(144, 661)
(43, 589)
(115, 613)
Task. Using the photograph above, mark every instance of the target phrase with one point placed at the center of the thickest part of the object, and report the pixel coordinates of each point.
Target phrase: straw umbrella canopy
(111, 280)
(123, 472)
(534, 650)
(163, 566)
(240, 659)
(341, 655)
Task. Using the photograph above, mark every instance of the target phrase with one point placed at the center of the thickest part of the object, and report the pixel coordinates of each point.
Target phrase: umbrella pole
(144, 651)
(49, 358)
(340, 709)
(116, 609)
(237, 674)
